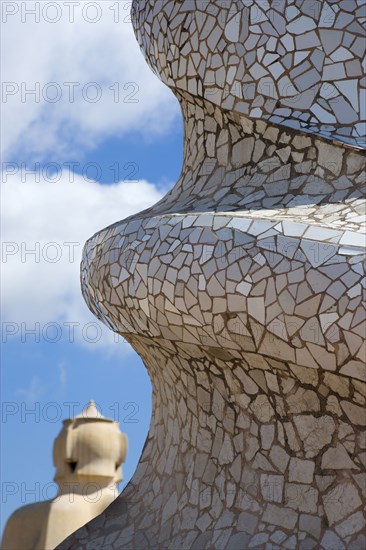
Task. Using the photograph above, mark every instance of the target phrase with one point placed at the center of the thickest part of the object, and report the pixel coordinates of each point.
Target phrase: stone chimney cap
(90, 412)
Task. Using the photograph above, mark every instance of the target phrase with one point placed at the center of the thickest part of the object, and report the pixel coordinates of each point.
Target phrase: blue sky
(69, 358)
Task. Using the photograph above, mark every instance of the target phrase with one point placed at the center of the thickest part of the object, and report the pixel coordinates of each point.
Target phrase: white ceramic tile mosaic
(242, 289)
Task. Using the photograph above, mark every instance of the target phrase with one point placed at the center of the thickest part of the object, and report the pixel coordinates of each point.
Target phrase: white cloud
(62, 373)
(35, 390)
(45, 218)
(35, 54)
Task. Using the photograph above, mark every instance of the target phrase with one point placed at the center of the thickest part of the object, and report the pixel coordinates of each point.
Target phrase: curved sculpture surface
(242, 289)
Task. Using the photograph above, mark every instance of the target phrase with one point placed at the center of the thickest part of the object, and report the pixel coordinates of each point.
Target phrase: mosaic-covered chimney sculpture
(87, 454)
(242, 289)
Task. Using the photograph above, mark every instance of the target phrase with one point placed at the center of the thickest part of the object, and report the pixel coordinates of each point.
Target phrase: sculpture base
(243, 452)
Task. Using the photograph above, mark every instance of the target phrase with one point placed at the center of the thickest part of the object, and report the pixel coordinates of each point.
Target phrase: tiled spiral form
(242, 290)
